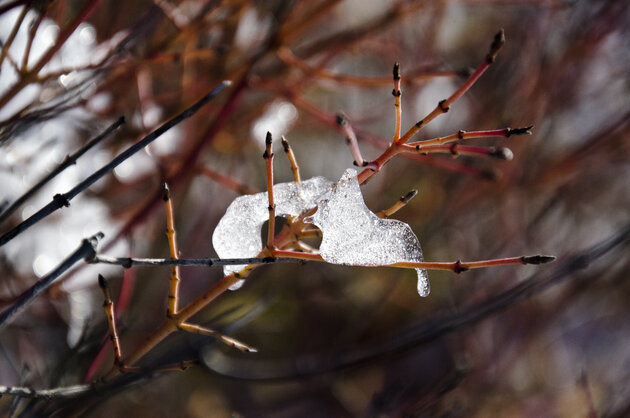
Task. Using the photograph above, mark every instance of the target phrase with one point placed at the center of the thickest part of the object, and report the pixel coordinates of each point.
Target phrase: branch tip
(537, 259)
(341, 120)
(410, 195)
(495, 47)
(102, 282)
(396, 71)
(166, 195)
(285, 144)
(268, 139)
(519, 131)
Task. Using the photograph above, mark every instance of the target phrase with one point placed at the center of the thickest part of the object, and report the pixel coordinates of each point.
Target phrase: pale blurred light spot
(49, 35)
(252, 29)
(87, 33)
(47, 94)
(66, 80)
(134, 168)
(151, 115)
(27, 211)
(124, 170)
(42, 265)
(99, 102)
(277, 119)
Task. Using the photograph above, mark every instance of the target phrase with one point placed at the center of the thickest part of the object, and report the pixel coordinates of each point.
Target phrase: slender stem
(397, 103)
(61, 200)
(16, 27)
(268, 156)
(455, 150)
(444, 105)
(295, 168)
(197, 329)
(86, 250)
(226, 181)
(351, 141)
(31, 37)
(501, 133)
(69, 160)
(400, 203)
(461, 266)
(173, 294)
(128, 262)
(108, 305)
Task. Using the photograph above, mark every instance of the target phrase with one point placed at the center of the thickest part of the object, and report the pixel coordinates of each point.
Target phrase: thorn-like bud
(519, 131)
(501, 153)
(102, 282)
(497, 44)
(267, 154)
(165, 192)
(285, 144)
(410, 195)
(396, 71)
(537, 259)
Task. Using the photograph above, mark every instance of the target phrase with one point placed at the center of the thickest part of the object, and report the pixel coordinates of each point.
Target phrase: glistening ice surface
(238, 233)
(351, 233)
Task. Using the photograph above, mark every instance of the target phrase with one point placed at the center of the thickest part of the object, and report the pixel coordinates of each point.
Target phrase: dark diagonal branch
(86, 250)
(61, 200)
(128, 262)
(69, 160)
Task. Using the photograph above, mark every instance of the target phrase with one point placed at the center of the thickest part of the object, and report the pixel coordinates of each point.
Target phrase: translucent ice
(238, 233)
(351, 233)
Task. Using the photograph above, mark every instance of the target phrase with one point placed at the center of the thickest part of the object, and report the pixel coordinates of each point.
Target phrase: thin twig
(61, 200)
(69, 160)
(268, 156)
(295, 168)
(128, 262)
(400, 203)
(397, 93)
(108, 305)
(172, 245)
(86, 251)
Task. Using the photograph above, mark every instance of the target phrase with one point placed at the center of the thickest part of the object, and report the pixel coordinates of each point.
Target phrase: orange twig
(173, 294)
(268, 156)
(295, 168)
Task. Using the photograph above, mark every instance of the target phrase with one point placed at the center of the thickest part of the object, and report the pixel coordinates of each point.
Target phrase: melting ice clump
(238, 233)
(351, 233)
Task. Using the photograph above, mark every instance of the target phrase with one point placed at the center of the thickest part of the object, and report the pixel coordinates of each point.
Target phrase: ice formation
(351, 233)
(238, 233)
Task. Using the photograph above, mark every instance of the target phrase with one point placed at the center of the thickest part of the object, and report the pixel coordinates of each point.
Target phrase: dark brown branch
(69, 160)
(86, 250)
(64, 199)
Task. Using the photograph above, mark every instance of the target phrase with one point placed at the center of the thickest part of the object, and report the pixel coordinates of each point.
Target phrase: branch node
(61, 200)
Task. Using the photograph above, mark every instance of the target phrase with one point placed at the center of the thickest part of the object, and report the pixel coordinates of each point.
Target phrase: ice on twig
(351, 233)
(238, 233)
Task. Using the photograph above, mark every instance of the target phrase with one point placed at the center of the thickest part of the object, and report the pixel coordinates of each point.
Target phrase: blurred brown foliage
(335, 340)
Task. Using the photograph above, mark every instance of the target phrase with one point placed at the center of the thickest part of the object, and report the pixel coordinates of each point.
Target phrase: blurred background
(332, 340)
